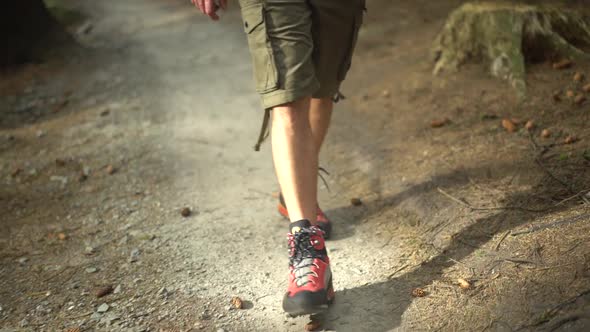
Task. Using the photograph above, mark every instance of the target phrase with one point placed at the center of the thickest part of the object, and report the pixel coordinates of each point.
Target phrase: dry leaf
(356, 201)
(313, 325)
(570, 93)
(516, 121)
(530, 125)
(580, 99)
(62, 236)
(236, 302)
(439, 123)
(578, 77)
(546, 133)
(418, 292)
(73, 329)
(586, 88)
(16, 172)
(104, 291)
(563, 64)
(570, 139)
(185, 212)
(508, 125)
(464, 284)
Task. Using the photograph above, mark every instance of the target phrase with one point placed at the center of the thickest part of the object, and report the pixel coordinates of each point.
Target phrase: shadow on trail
(380, 306)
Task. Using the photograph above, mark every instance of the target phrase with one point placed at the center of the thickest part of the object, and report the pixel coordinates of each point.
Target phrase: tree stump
(506, 35)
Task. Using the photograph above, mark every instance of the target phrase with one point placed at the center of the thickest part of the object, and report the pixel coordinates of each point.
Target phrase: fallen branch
(566, 221)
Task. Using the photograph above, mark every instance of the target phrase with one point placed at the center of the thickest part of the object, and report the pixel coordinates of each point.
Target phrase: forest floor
(463, 227)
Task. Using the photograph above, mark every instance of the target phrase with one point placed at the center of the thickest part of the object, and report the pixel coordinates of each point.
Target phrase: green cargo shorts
(300, 47)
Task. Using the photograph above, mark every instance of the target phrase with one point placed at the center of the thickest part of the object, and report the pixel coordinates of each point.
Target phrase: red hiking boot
(310, 288)
(322, 221)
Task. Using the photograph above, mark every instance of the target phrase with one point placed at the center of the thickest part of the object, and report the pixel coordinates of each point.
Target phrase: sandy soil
(102, 149)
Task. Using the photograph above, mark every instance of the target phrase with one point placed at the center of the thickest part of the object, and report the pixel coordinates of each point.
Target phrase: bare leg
(320, 113)
(295, 158)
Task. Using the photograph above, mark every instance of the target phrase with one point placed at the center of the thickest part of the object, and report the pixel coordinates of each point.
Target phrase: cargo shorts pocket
(358, 22)
(263, 60)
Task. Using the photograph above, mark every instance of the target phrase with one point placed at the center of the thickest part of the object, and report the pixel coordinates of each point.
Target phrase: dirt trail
(165, 97)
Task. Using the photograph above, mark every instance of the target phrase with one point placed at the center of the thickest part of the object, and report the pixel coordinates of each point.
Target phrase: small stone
(530, 125)
(23, 260)
(134, 255)
(546, 133)
(57, 178)
(104, 291)
(570, 93)
(110, 169)
(185, 212)
(96, 316)
(60, 162)
(85, 28)
(586, 88)
(578, 77)
(356, 201)
(580, 99)
(91, 269)
(103, 308)
(163, 292)
(117, 289)
(220, 330)
(40, 133)
(88, 251)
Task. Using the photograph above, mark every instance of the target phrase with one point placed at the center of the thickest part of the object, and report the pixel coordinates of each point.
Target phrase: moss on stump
(505, 35)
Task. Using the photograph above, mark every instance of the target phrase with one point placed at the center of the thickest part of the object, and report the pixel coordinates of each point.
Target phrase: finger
(201, 4)
(210, 8)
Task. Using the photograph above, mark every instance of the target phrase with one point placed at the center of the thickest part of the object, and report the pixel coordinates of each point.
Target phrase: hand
(210, 7)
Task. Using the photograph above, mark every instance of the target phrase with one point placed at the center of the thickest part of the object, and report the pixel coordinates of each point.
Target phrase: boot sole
(295, 309)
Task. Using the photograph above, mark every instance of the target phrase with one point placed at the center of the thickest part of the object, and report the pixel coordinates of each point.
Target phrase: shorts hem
(280, 97)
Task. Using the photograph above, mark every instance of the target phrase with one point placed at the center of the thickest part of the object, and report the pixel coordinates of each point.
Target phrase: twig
(501, 240)
(478, 208)
(554, 267)
(80, 316)
(553, 176)
(566, 221)
(397, 271)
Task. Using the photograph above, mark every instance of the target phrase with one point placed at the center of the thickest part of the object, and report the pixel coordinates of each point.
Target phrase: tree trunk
(507, 34)
(26, 30)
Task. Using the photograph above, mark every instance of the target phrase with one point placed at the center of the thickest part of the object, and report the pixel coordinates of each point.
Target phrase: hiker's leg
(320, 113)
(295, 158)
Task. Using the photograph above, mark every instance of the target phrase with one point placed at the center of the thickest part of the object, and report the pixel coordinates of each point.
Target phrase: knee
(292, 115)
